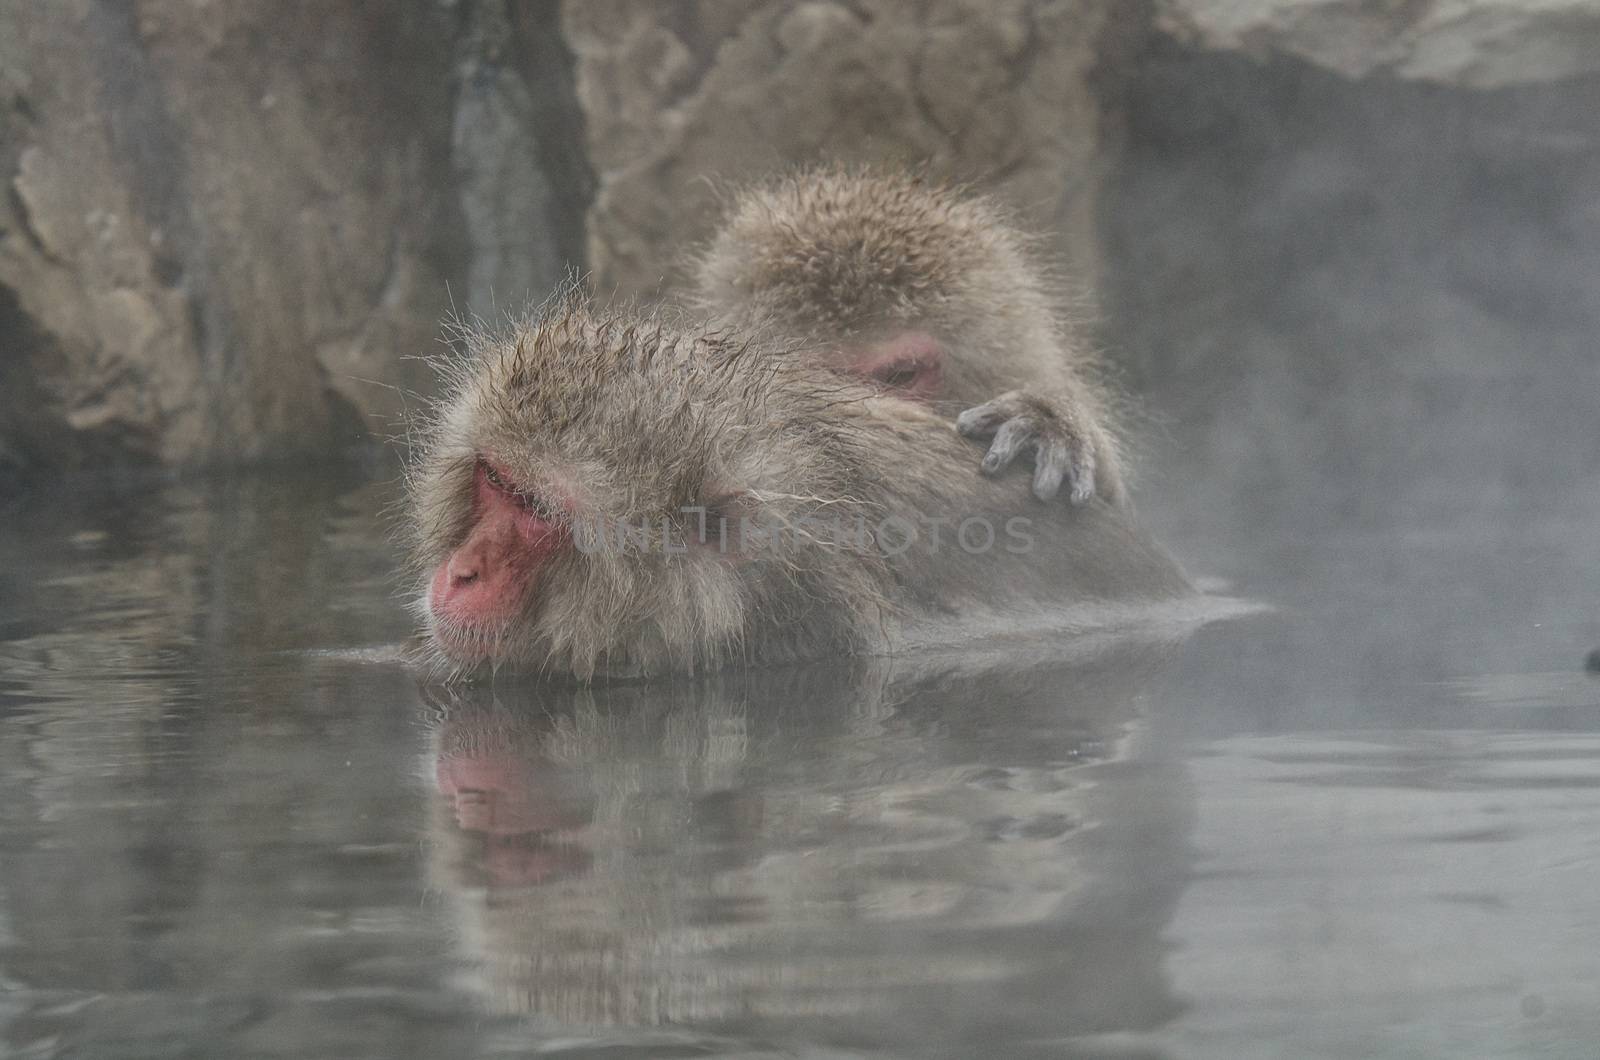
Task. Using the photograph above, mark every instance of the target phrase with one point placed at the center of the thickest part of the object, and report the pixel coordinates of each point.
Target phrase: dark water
(1364, 824)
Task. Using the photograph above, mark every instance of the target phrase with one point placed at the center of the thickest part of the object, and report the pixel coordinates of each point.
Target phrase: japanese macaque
(611, 493)
(929, 292)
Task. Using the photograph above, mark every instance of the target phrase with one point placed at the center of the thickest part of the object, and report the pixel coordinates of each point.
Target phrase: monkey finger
(983, 419)
(1052, 462)
(1080, 475)
(1008, 442)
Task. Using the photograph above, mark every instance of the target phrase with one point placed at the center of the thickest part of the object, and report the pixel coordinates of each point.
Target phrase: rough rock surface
(1469, 43)
(679, 95)
(226, 227)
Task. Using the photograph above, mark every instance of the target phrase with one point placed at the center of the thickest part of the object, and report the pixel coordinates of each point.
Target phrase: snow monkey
(615, 492)
(929, 291)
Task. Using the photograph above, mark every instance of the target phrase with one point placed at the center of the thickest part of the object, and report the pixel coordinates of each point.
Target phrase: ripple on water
(1373, 893)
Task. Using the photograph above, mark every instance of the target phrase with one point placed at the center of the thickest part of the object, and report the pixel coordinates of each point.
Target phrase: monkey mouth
(466, 642)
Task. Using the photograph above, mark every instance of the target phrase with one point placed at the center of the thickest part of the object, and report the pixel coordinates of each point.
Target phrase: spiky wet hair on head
(617, 417)
(855, 247)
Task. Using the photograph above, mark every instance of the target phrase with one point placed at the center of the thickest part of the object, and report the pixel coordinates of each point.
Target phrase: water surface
(1365, 823)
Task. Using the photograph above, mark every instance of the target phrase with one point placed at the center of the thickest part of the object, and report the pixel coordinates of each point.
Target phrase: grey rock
(1468, 43)
(229, 230)
(680, 96)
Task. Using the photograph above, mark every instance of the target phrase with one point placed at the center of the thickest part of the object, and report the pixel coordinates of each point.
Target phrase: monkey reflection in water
(756, 850)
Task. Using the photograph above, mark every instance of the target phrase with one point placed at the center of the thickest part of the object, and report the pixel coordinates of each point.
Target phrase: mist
(1342, 261)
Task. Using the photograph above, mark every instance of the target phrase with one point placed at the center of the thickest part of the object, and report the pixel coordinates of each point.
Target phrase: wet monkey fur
(621, 493)
(928, 291)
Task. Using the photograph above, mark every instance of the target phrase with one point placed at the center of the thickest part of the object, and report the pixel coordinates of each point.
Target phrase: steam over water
(1361, 821)
(234, 825)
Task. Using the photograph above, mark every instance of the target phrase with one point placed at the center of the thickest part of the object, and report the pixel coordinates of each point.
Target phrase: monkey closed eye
(528, 501)
(1019, 423)
(899, 376)
(911, 362)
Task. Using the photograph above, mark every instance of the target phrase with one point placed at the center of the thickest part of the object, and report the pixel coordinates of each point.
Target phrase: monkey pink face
(501, 794)
(486, 582)
(514, 807)
(910, 363)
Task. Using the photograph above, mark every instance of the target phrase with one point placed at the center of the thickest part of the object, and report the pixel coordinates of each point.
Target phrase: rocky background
(230, 229)
(1348, 251)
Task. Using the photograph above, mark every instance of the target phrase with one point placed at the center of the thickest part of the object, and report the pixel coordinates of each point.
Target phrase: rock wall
(681, 95)
(1467, 43)
(227, 231)
(227, 228)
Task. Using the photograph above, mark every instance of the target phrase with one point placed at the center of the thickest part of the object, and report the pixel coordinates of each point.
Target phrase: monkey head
(588, 491)
(910, 284)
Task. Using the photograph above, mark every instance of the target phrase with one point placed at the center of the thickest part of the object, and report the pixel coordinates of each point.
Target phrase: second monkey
(929, 292)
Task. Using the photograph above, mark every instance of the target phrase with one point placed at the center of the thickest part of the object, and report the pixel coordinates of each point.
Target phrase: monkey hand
(1063, 452)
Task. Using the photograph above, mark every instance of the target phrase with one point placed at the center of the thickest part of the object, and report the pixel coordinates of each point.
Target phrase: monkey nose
(465, 568)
